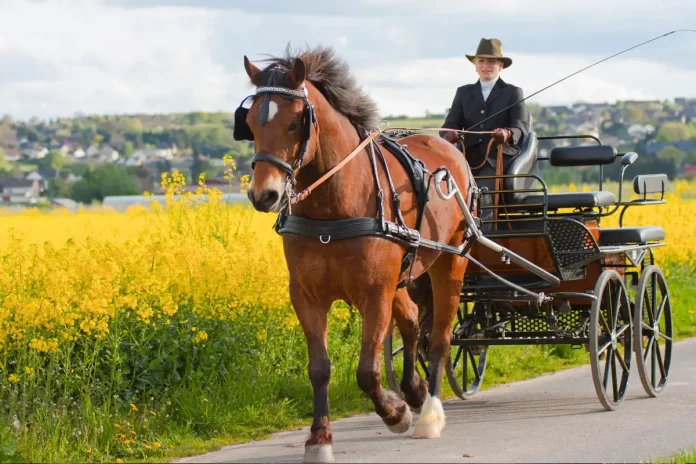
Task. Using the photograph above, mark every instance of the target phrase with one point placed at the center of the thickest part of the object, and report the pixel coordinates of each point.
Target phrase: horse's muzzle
(266, 201)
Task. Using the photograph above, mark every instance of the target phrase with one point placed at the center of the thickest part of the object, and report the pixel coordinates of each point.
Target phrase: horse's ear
(251, 70)
(297, 75)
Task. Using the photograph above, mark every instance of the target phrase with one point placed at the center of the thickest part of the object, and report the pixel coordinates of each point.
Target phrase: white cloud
(419, 85)
(59, 57)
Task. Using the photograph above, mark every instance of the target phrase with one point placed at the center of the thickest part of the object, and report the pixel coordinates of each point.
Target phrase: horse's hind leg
(405, 312)
(446, 275)
(377, 314)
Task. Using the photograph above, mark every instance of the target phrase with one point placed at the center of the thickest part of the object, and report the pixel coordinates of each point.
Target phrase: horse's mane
(331, 77)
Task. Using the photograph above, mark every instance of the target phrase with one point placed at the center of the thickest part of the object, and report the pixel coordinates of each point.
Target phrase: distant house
(107, 154)
(689, 172)
(13, 154)
(19, 190)
(689, 114)
(559, 110)
(66, 149)
(155, 153)
(92, 151)
(39, 153)
(79, 153)
(683, 145)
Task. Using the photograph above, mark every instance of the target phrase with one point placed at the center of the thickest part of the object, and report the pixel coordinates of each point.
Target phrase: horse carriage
(398, 228)
(558, 277)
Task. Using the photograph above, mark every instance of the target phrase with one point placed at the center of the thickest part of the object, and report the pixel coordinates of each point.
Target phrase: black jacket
(468, 109)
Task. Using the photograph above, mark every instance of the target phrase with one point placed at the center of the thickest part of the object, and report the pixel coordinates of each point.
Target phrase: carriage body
(609, 297)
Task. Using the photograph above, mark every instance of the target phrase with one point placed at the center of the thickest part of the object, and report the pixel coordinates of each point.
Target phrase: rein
(305, 193)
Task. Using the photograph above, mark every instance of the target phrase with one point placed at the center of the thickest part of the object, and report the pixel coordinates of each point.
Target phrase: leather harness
(327, 230)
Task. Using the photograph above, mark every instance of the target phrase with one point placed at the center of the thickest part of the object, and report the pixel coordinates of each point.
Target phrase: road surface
(555, 418)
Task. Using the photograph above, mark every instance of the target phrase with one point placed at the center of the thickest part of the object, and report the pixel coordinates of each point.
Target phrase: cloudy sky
(59, 57)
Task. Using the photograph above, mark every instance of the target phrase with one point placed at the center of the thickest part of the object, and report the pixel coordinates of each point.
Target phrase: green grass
(683, 457)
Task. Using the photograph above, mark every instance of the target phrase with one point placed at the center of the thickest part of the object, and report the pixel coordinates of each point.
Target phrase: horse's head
(280, 122)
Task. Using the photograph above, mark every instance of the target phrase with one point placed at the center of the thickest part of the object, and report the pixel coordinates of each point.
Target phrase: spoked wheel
(394, 353)
(610, 339)
(653, 330)
(466, 365)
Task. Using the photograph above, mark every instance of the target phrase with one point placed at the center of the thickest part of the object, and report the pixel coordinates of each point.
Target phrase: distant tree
(102, 181)
(690, 158)
(134, 125)
(53, 160)
(59, 188)
(671, 131)
(636, 114)
(6, 168)
(200, 165)
(673, 155)
(127, 151)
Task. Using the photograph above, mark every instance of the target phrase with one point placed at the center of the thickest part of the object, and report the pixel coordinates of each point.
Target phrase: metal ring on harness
(324, 241)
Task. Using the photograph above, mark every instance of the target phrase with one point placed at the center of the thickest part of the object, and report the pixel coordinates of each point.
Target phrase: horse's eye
(292, 127)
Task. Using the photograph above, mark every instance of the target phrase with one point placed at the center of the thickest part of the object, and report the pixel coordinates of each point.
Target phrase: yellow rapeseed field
(65, 275)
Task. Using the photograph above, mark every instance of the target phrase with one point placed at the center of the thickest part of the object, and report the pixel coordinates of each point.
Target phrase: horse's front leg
(393, 410)
(313, 318)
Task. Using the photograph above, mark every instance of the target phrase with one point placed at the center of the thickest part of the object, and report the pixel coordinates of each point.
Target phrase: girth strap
(337, 229)
(326, 230)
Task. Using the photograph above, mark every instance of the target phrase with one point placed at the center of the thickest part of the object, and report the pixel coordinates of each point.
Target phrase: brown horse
(362, 270)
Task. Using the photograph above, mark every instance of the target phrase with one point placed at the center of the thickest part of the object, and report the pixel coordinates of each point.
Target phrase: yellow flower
(119, 460)
(157, 444)
(153, 412)
(133, 407)
(14, 378)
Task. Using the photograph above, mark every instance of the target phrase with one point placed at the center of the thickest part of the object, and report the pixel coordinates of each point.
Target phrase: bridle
(309, 120)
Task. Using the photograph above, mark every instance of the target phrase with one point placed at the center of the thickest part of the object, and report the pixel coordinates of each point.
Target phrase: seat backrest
(525, 163)
(646, 184)
(582, 155)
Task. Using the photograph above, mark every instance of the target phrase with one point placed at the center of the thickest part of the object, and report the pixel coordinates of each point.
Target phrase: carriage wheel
(466, 363)
(394, 358)
(610, 339)
(653, 330)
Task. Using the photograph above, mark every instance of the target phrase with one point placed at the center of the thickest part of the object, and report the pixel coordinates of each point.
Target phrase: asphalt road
(555, 418)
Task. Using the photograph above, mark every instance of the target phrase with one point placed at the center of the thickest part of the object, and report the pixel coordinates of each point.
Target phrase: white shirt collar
(489, 84)
(487, 87)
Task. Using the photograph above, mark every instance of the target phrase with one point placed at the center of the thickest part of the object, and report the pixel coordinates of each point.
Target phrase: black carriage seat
(631, 235)
(583, 155)
(558, 201)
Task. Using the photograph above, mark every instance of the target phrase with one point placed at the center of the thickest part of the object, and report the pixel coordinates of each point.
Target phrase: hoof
(431, 422)
(426, 431)
(318, 453)
(404, 425)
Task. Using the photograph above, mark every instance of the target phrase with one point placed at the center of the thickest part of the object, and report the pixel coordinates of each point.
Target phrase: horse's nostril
(269, 198)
